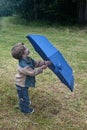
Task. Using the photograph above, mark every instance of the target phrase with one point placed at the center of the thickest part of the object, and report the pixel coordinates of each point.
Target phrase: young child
(25, 77)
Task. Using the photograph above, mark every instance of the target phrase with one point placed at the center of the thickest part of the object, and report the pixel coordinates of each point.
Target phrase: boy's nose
(28, 50)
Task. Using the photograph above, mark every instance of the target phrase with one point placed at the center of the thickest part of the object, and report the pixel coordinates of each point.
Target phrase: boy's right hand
(40, 70)
(44, 66)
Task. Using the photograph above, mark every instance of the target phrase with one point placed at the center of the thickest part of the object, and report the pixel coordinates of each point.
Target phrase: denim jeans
(23, 98)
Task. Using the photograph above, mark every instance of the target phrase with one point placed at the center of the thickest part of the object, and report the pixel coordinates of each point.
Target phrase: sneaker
(31, 110)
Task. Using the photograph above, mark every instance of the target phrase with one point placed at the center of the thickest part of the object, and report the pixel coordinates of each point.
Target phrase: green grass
(56, 108)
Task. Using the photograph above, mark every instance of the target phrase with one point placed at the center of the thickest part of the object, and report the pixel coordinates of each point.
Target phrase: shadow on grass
(45, 104)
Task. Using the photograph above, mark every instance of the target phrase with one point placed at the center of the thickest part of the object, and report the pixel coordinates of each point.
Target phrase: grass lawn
(56, 108)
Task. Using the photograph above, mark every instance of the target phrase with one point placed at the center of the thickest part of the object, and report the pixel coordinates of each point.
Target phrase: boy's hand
(44, 66)
(38, 71)
(47, 63)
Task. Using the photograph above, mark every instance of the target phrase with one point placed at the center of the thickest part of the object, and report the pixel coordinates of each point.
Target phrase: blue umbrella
(48, 52)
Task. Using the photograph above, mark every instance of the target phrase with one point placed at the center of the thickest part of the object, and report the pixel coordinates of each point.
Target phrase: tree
(85, 14)
(5, 8)
(52, 10)
(26, 9)
(82, 11)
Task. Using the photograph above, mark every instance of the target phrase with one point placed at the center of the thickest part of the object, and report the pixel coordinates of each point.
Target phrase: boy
(25, 77)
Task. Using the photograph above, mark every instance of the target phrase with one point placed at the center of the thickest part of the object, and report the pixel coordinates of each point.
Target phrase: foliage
(5, 8)
(52, 10)
(27, 10)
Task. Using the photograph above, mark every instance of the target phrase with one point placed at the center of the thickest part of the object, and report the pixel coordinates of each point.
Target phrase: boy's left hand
(47, 62)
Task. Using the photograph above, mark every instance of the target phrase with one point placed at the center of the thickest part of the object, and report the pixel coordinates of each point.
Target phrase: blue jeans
(23, 98)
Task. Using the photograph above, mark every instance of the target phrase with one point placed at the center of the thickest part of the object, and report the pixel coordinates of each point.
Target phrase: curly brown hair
(17, 50)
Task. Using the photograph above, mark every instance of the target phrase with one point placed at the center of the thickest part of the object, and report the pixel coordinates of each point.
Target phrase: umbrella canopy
(48, 52)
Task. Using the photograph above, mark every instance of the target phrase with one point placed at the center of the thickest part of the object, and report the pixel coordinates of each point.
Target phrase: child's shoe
(30, 110)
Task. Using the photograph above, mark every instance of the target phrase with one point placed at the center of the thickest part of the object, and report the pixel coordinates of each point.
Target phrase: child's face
(26, 51)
